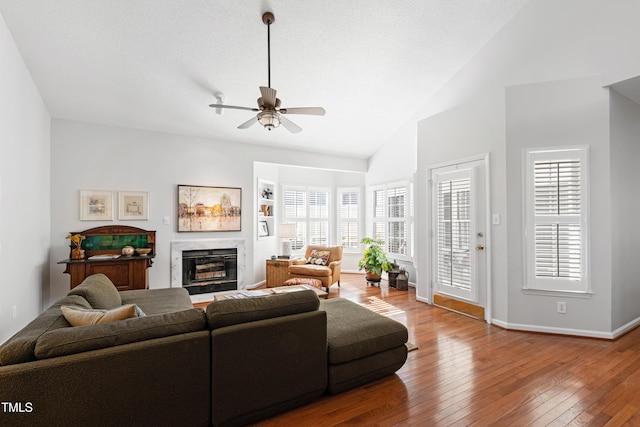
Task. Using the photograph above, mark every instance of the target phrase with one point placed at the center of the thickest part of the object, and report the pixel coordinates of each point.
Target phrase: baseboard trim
(568, 331)
(628, 327)
(422, 299)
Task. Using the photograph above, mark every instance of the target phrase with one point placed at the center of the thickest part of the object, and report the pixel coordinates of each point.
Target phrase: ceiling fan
(270, 115)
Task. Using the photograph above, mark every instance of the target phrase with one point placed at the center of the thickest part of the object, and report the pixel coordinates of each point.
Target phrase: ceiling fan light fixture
(269, 119)
(269, 111)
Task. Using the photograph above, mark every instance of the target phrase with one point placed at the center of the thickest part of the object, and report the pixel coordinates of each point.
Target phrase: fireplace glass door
(209, 270)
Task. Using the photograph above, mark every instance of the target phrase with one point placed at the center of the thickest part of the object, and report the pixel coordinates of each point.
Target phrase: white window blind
(391, 220)
(309, 210)
(379, 218)
(557, 197)
(556, 220)
(397, 224)
(349, 217)
(453, 263)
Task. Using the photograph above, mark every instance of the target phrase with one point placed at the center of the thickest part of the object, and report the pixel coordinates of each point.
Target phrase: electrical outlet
(165, 220)
(14, 311)
(561, 307)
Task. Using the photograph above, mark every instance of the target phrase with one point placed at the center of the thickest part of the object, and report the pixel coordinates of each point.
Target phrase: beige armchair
(328, 274)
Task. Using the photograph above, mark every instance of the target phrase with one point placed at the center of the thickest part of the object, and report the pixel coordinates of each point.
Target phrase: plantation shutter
(397, 208)
(309, 210)
(453, 228)
(295, 204)
(349, 210)
(557, 206)
(556, 220)
(318, 209)
(295, 210)
(379, 218)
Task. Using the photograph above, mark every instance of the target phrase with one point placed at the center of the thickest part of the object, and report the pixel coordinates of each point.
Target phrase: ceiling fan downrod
(268, 19)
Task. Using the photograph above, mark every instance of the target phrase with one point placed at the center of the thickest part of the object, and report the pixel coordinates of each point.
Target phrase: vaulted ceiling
(157, 64)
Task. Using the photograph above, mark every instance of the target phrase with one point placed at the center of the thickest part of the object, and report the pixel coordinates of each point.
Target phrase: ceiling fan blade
(248, 123)
(268, 95)
(289, 125)
(235, 107)
(312, 111)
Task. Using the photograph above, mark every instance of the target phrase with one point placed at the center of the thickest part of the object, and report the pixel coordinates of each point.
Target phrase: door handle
(480, 247)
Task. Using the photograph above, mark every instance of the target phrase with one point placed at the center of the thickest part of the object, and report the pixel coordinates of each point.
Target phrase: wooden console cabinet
(126, 272)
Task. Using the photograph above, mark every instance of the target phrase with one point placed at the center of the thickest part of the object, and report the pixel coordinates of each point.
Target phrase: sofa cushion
(354, 332)
(158, 301)
(303, 281)
(65, 341)
(99, 291)
(234, 311)
(85, 317)
(20, 348)
(335, 252)
(319, 257)
(310, 270)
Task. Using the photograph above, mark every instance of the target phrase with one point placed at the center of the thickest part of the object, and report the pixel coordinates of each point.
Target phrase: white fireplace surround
(178, 246)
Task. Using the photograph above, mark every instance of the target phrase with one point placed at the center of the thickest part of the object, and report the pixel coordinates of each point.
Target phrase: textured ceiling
(156, 64)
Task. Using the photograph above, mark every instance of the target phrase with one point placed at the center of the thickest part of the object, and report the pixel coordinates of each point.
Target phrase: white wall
(93, 157)
(547, 41)
(625, 201)
(468, 131)
(24, 191)
(560, 114)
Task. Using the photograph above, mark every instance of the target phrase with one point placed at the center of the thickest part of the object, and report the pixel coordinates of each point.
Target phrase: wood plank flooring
(468, 373)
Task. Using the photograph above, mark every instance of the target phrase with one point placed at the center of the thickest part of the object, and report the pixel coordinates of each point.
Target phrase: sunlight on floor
(380, 306)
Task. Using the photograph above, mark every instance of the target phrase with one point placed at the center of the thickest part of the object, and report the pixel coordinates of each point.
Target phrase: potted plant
(374, 260)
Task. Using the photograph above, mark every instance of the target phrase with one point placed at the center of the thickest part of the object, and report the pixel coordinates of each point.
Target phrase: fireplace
(178, 247)
(209, 270)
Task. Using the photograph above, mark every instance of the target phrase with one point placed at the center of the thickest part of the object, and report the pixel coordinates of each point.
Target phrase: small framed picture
(96, 205)
(133, 205)
(263, 229)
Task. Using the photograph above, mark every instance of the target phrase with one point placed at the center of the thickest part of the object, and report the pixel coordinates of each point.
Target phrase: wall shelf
(266, 209)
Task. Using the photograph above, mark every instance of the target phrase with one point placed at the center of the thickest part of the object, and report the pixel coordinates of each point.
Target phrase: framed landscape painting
(209, 208)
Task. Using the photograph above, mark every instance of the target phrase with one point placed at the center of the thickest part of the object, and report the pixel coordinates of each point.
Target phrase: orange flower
(76, 239)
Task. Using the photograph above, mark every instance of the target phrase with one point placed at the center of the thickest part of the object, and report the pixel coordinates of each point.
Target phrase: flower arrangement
(76, 239)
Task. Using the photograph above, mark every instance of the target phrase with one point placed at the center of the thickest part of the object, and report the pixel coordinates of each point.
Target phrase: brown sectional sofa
(239, 361)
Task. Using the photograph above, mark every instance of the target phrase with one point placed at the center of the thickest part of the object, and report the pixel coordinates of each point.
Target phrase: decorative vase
(77, 253)
(128, 251)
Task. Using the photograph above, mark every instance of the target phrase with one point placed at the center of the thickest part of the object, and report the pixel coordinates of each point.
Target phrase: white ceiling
(156, 64)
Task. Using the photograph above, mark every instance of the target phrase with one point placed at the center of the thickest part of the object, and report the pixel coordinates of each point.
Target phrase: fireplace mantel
(178, 246)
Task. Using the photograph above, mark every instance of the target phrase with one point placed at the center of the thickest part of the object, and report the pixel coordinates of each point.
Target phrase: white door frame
(485, 159)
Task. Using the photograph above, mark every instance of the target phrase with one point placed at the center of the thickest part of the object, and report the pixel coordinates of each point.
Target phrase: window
(349, 218)
(453, 265)
(309, 210)
(391, 219)
(556, 220)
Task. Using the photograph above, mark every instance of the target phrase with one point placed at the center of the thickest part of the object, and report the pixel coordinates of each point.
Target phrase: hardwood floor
(468, 373)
